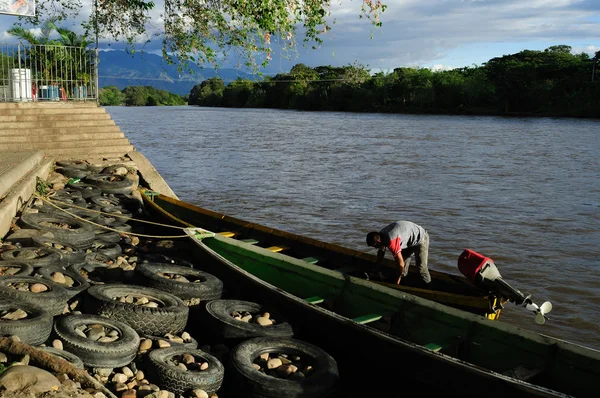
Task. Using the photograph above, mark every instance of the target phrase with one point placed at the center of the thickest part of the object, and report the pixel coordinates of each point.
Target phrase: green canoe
(388, 337)
(453, 290)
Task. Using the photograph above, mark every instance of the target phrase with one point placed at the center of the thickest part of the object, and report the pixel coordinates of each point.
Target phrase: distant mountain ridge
(120, 69)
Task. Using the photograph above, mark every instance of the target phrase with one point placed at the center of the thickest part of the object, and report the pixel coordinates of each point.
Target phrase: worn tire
(87, 190)
(79, 282)
(110, 183)
(322, 382)
(66, 355)
(52, 300)
(36, 256)
(94, 353)
(209, 288)
(170, 318)
(24, 268)
(33, 330)
(80, 235)
(70, 255)
(170, 377)
(220, 322)
(73, 172)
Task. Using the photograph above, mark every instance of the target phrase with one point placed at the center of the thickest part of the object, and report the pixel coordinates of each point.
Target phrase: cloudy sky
(441, 33)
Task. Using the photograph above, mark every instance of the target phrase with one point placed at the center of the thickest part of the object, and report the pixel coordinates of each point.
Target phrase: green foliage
(550, 82)
(41, 187)
(209, 92)
(146, 96)
(206, 32)
(111, 96)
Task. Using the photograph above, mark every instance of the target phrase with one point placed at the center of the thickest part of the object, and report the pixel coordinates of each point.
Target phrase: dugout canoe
(449, 289)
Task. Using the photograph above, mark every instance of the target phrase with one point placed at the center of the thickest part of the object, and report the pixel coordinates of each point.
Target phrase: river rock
(29, 378)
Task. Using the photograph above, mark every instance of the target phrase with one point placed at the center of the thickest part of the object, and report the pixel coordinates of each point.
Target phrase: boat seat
(227, 234)
(315, 300)
(367, 318)
(276, 249)
(433, 346)
(249, 241)
(523, 372)
(312, 260)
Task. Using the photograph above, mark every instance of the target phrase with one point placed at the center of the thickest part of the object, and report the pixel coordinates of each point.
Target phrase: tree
(110, 96)
(207, 31)
(208, 93)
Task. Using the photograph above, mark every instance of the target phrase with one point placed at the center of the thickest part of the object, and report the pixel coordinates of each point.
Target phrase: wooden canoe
(388, 338)
(453, 290)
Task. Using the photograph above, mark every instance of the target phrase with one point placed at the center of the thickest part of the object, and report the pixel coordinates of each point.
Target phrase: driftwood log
(53, 363)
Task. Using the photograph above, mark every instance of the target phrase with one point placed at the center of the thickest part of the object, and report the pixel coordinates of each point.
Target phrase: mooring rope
(45, 199)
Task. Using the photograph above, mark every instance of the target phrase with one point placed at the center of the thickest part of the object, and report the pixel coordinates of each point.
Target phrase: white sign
(25, 8)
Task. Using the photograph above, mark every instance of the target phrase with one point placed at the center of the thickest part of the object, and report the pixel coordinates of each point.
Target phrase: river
(523, 191)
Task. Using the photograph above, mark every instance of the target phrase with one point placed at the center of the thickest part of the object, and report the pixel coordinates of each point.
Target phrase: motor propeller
(540, 312)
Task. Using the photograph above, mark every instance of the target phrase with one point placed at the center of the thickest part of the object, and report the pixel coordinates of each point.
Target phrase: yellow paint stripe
(227, 234)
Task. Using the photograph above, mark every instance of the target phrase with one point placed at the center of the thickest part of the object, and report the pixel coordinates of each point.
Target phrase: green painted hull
(415, 340)
(453, 290)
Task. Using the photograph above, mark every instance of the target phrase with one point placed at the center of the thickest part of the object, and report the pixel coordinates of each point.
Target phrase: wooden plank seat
(311, 260)
(367, 318)
(315, 300)
(227, 234)
(277, 249)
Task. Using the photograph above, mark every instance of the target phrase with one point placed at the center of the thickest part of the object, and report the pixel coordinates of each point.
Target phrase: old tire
(170, 377)
(171, 317)
(321, 382)
(223, 325)
(79, 282)
(94, 353)
(66, 355)
(23, 268)
(52, 300)
(36, 256)
(209, 288)
(87, 190)
(33, 330)
(70, 255)
(79, 235)
(110, 183)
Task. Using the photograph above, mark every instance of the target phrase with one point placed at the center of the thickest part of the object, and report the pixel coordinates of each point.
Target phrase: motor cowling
(484, 274)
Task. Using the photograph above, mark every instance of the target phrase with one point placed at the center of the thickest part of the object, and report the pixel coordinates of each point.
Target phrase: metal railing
(47, 73)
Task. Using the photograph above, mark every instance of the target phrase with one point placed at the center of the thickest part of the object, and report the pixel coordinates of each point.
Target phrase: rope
(112, 215)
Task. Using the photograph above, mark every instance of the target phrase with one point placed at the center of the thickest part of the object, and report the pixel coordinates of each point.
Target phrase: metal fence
(47, 73)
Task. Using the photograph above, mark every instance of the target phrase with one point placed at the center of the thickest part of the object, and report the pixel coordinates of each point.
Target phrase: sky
(437, 34)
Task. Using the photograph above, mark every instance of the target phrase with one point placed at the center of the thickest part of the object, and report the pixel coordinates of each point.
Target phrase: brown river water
(523, 191)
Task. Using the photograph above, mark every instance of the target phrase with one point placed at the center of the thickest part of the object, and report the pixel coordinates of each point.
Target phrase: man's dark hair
(371, 238)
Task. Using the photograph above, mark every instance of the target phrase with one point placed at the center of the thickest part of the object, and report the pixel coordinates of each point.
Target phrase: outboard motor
(482, 272)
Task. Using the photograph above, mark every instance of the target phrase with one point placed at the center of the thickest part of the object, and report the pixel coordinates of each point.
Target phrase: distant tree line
(552, 82)
(138, 96)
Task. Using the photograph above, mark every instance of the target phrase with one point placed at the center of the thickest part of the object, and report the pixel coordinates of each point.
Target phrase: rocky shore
(89, 305)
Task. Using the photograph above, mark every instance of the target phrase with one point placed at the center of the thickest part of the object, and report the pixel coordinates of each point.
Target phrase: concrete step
(24, 146)
(83, 153)
(56, 123)
(15, 165)
(38, 138)
(58, 130)
(49, 104)
(20, 192)
(54, 117)
(50, 111)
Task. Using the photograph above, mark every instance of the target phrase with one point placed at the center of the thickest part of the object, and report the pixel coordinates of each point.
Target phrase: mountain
(121, 69)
